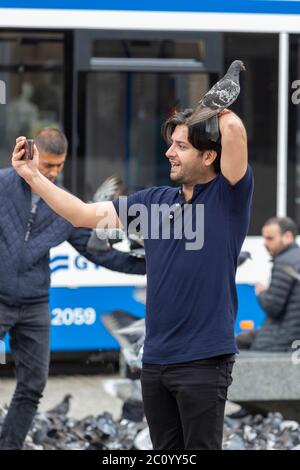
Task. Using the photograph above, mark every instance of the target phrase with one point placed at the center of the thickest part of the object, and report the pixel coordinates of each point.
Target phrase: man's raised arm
(234, 156)
(78, 213)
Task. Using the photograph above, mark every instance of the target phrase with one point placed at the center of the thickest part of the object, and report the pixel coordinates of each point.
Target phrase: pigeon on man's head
(222, 95)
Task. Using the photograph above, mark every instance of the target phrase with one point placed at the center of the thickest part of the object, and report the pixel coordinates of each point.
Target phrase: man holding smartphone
(29, 228)
(191, 295)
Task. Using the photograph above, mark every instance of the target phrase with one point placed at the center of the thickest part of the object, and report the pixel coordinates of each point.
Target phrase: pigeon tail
(201, 114)
(212, 128)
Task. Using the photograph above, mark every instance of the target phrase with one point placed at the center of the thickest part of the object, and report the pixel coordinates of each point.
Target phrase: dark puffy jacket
(121, 261)
(24, 265)
(281, 303)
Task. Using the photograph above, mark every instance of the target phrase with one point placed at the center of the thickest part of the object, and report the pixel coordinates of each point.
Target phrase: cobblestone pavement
(89, 396)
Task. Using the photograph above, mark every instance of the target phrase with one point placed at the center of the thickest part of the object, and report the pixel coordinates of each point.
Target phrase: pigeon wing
(109, 189)
(291, 272)
(116, 321)
(219, 97)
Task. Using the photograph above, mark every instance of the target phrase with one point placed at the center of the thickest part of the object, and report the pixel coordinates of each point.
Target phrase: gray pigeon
(222, 95)
(129, 331)
(291, 272)
(243, 256)
(63, 407)
(110, 189)
(102, 239)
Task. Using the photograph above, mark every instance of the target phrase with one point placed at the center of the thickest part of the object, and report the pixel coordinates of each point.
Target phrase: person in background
(29, 229)
(281, 299)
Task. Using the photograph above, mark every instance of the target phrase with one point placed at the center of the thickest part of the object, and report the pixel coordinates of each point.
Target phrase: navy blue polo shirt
(191, 293)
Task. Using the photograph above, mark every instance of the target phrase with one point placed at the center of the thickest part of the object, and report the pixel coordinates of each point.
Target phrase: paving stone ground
(89, 397)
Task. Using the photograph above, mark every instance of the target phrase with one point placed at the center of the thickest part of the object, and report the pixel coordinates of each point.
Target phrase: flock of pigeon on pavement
(56, 430)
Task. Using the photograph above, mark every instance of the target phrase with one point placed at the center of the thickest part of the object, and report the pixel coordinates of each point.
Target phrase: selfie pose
(191, 294)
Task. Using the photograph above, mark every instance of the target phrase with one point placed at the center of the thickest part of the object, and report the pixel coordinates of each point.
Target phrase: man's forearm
(232, 129)
(101, 214)
(234, 157)
(62, 202)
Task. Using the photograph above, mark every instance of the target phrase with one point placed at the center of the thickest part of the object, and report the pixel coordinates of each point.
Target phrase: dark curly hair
(197, 135)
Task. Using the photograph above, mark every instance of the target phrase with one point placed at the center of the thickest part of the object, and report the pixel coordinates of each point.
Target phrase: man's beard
(177, 177)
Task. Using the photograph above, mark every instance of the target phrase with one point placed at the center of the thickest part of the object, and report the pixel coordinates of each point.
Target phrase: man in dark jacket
(28, 229)
(281, 300)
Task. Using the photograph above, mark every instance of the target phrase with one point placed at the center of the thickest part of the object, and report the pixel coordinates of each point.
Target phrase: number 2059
(73, 316)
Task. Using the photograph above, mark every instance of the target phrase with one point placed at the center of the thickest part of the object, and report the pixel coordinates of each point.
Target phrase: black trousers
(184, 403)
(29, 327)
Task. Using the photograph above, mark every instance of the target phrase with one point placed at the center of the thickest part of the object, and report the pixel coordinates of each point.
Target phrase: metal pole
(282, 124)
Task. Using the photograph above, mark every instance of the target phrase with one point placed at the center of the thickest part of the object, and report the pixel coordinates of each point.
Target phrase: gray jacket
(281, 303)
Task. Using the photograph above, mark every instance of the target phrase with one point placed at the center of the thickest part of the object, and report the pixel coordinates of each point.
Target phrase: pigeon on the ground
(222, 95)
(143, 440)
(63, 407)
(102, 432)
(110, 189)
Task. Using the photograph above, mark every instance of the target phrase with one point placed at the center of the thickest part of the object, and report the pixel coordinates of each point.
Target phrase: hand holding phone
(29, 148)
(25, 158)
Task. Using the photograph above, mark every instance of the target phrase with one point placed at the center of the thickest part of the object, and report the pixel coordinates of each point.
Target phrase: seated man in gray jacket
(281, 300)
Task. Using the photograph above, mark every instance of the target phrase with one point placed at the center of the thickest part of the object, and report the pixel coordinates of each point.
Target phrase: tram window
(141, 48)
(31, 48)
(31, 65)
(125, 112)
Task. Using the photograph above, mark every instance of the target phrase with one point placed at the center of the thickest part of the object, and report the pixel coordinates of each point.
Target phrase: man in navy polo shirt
(193, 235)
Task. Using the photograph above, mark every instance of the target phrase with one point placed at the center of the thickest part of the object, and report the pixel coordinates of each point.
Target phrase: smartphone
(28, 146)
